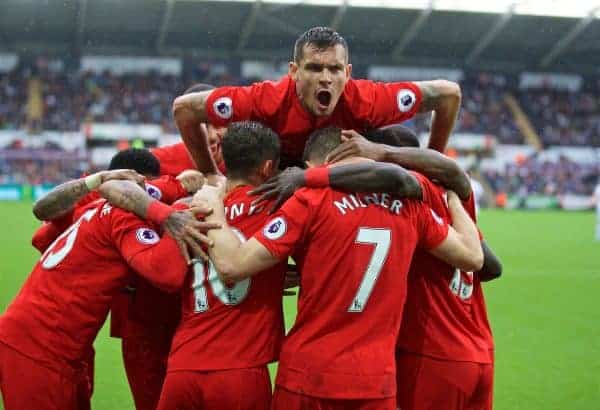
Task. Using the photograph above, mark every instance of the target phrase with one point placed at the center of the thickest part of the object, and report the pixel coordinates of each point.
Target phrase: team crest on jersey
(147, 236)
(223, 107)
(275, 229)
(406, 100)
(436, 217)
(153, 191)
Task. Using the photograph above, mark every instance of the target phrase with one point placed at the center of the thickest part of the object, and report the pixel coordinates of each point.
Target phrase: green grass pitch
(545, 310)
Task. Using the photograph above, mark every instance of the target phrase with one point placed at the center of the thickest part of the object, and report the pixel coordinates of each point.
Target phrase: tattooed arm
(182, 225)
(189, 112)
(63, 198)
(60, 200)
(443, 98)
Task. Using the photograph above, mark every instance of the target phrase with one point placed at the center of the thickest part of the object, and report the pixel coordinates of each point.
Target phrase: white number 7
(382, 239)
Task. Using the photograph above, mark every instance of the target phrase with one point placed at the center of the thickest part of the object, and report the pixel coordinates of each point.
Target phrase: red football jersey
(61, 307)
(363, 105)
(175, 158)
(231, 327)
(445, 315)
(353, 252)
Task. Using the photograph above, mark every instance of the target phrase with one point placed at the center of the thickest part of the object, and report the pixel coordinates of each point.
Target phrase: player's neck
(233, 183)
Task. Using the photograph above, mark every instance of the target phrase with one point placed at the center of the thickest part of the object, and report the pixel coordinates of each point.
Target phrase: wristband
(316, 177)
(92, 181)
(158, 212)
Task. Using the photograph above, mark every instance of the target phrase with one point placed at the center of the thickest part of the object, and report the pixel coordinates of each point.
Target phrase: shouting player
(228, 335)
(354, 252)
(317, 92)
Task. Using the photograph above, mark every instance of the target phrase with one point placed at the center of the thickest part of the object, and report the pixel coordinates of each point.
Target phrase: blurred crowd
(532, 176)
(39, 171)
(483, 109)
(564, 117)
(71, 97)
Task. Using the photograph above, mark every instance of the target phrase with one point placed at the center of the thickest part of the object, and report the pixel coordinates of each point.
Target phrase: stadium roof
(500, 34)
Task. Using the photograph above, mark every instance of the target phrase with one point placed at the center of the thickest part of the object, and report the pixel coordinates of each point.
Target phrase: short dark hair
(140, 160)
(321, 142)
(320, 37)
(246, 145)
(198, 88)
(395, 136)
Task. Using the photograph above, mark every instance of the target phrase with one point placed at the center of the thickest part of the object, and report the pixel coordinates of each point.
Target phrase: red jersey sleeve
(258, 101)
(433, 230)
(379, 104)
(166, 189)
(282, 233)
(146, 252)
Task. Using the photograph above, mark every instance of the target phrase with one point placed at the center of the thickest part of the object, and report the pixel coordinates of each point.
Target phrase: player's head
(215, 134)
(250, 151)
(140, 160)
(320, 69)
(319, 144)
(395, 136)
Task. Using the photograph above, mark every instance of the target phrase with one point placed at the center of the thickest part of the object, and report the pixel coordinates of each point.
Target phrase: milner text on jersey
(352, 202)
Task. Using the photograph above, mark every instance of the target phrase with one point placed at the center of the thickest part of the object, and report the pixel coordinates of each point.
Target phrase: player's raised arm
(189, 112)
(428, 162)
(443, 98)
(462, 247)
(63, 198)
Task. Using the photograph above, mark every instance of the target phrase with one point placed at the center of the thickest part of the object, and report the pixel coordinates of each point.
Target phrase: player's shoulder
(312, 196)
(239, 203)
(273, 93)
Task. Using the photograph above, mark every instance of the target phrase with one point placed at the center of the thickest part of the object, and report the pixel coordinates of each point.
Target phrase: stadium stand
(87, 73)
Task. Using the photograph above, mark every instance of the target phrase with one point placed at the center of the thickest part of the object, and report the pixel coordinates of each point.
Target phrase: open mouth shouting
(323, 100)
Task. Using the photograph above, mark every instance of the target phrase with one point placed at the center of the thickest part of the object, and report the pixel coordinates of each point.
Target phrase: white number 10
(228, 296)
(382, 239)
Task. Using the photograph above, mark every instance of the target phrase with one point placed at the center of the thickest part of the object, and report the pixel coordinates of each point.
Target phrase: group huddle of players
(187, 246)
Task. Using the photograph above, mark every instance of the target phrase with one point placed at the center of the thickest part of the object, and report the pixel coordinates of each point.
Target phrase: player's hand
(355, 145)
(209, 194)
(191, 180)
(122, 174)
(189, 233)
(280, 187)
